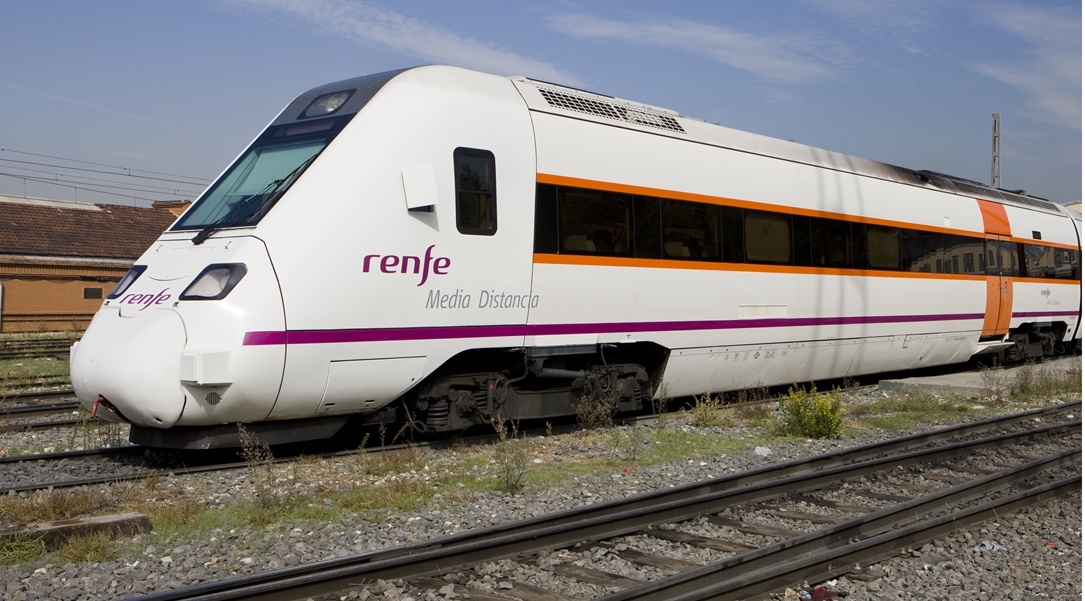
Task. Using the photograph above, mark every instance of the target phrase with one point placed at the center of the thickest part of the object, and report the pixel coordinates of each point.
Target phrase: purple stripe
(1045, 314)
(442, 333)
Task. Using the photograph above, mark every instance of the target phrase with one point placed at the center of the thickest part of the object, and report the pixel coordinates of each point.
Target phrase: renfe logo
(390, 263)
(1045, 292)
(145, 299)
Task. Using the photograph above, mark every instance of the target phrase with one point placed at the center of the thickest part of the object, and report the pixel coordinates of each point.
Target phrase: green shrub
(708, 412)
(812, 414)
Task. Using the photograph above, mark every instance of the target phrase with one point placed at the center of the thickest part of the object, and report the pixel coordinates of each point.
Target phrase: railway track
(806, 520)
(134, 462)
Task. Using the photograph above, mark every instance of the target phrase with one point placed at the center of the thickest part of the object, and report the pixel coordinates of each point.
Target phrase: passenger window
(546, 219)
(768, 237)
(595, 223)
(1040, 261)
(831, 242)
(883, 247)
(646, 222)
(922, 251)
(476, 191)
(690, 231)
(800, 235)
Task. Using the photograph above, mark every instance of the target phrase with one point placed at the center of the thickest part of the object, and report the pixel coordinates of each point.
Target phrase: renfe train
(451, 246)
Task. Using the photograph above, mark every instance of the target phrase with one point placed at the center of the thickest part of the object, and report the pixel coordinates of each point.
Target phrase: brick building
(59, 259)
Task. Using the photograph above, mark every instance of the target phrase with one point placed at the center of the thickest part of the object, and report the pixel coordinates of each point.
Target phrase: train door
(1001, 262)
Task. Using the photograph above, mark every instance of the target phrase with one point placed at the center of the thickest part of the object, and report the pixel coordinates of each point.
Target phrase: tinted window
(690, 230)
(648, 233)
(92, 293)
(594, 222)
(800, 235)
(768, 237)
(921, 251)
(546, 219)
(476, 191)
(883, 247)
(831, 242)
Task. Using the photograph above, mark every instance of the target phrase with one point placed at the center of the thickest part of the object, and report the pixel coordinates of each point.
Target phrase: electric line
(129, 169)
(55, 183)
(161, 179)
(87, 179)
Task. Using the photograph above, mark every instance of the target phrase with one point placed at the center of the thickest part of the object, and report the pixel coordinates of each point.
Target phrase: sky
(155, 99)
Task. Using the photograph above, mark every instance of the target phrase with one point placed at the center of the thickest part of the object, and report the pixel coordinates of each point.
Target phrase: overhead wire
(129, 169)
(56, 183)
(87, 179)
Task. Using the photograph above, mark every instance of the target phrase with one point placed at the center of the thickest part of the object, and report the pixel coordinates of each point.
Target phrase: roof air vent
(611, 110)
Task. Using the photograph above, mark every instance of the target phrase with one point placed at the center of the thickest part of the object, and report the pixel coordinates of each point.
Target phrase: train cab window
(476, 191)
(592, 222)
(768, 237)
(691, 231)
(830, 242)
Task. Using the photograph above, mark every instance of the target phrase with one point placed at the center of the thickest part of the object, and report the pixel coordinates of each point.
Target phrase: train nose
(134, 363)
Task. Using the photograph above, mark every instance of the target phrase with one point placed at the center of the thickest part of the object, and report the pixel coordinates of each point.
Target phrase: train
(448, 248)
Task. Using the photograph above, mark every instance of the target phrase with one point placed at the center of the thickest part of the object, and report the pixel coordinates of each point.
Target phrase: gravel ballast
(1033, 554)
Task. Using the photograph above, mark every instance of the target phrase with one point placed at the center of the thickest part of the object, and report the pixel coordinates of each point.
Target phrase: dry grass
(710, 411)
(49, 506)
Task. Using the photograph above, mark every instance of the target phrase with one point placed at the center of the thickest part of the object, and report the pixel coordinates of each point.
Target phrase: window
(830, 241)
(476, 191)
(768, 237)
(92, 293)
(883, 247)
(647, 228)
(546, 218)
(921, 251)
(592, 222)
(690, 230)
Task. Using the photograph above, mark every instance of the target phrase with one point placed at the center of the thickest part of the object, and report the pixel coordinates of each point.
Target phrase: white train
(453, 246)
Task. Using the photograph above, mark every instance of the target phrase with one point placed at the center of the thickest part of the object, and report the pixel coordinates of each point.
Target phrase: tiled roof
(105, 231)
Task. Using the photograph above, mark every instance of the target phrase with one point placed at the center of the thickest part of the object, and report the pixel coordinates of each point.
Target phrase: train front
(171, 350)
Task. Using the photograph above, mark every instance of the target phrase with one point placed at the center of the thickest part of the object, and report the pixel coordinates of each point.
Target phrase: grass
(20, 550)
(905, 411)
(811, 414)
(1046, 380)
(19, 374)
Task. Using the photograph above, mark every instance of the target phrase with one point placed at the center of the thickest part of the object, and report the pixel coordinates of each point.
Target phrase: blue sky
(182, 87)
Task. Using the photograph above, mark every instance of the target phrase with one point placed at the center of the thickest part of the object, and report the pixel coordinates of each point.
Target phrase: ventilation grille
(212, 398)
(611, 110)
(968, 188)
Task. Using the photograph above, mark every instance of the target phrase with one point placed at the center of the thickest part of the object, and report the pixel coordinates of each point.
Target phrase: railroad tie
(594, 576)
(831, 504)
(884, 496)
(752, 528)
(678, 536)
(813, 518)
(648, 559)
(519, 590)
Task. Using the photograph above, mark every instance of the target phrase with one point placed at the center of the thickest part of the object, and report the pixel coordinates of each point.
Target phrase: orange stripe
(993, 215)
(995, 220)
(1021, 280)
(561, 180)
(548, 259)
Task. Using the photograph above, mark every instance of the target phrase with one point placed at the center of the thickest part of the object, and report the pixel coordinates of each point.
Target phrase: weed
(995, 381)
(660, 401)
(20, 550)
(93, 548)
(1032, 381)
(259, 458)
(48, 506)
(708, 412)
(594, 411)
(630, 442)
(511, 452)
(810, 414)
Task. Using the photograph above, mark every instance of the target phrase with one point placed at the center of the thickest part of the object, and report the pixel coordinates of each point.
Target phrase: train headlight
(129, 278)
(326, 104)
(214, 282)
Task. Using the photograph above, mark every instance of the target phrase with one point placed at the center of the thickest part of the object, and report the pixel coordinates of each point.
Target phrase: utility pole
(996, 159)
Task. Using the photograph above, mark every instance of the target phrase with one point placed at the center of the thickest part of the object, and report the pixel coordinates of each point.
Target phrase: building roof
(52, 228)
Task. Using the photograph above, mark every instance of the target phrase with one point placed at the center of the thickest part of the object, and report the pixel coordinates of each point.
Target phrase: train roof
(556, 99)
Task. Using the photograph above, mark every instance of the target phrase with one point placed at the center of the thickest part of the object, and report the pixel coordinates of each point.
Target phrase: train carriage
(453, 246)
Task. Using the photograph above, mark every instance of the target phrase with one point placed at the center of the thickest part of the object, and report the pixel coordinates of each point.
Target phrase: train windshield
(263, 174)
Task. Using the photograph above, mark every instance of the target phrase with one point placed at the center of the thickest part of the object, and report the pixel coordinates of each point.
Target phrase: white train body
(377, 279)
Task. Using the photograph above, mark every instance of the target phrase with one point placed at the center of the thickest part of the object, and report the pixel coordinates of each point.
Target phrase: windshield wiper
(271, 194)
